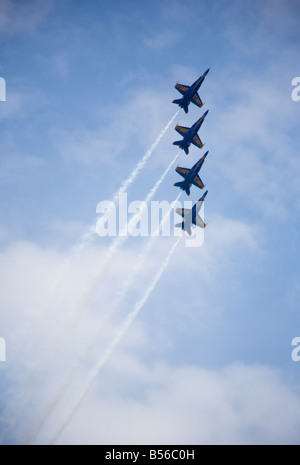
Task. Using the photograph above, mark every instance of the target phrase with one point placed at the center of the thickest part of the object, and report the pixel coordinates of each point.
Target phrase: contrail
(92, 233)
(124, 234)
(107, 354)
(86, 239)
(142, 257)
(124, 186)
(120, 296)
(114, 247)
(75, 313)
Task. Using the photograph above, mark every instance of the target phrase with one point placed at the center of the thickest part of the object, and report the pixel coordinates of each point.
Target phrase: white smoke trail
(120, 296)
(77, 310)
(123, 236)
(86, 239)
(114, 247)
(142, 257)
(124, 187)
(107, 354)
(91, 233)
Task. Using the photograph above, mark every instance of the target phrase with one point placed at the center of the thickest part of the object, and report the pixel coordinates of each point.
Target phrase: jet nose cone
(204, 195)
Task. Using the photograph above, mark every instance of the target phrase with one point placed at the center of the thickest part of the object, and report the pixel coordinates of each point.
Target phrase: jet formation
(190, 136)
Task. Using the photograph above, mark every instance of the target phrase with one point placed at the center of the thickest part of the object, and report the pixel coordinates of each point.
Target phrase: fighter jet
(190, 176)
(190, 94)
(190, 135)
(191, 217)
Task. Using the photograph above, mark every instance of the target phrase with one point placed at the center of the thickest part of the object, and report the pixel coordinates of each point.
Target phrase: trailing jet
(191, 176)
(191, 217)
(190, 94)
(190, 135)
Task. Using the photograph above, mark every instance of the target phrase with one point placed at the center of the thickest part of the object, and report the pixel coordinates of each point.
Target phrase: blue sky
(89, 89)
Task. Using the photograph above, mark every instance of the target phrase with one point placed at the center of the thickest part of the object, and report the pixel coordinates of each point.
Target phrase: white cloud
(239, 404)
(50, 300)
(227, 242)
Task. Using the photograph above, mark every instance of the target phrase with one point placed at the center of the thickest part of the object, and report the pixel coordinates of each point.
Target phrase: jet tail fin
(178, 101)
(181, 103)
(183, 186)
(184, 228)
(178, 142)
(182, 145)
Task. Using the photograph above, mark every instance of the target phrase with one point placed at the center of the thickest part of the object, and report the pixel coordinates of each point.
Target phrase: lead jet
(190, 94)
(191, 176)
(191, 217)
(190, 135)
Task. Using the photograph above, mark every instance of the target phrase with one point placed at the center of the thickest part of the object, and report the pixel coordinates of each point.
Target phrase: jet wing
(197, 182)
(197, 100)
(182, 88)
(199, 222)
(182, 211)
(196, 141)
(182, 171)
(182, 130)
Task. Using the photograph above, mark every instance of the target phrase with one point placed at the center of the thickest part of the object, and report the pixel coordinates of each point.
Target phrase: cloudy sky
(206, 356)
